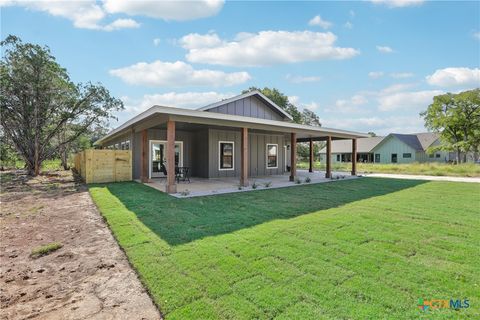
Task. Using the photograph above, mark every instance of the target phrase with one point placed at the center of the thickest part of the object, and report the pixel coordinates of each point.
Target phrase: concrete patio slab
(206, 187)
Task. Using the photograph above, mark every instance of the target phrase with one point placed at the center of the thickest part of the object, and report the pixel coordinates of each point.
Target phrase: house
(244, 136)
(394, 148)
(342, 150)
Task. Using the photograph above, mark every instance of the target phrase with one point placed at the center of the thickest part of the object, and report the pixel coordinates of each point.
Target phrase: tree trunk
(459, 155)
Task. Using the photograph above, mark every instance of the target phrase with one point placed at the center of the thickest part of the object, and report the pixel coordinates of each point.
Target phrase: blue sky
(363, 65)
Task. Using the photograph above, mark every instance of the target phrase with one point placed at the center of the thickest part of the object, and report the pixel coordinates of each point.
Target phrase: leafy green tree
(457, 118)
(372, 134)
(310, 118)
(42, 110)
(8, 154)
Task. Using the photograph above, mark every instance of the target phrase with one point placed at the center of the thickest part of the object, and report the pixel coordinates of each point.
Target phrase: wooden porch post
(310, 169)
(171, 185)
(354, 157)
(244, 159)
(328, 172)
(144, 158)
(293, 156)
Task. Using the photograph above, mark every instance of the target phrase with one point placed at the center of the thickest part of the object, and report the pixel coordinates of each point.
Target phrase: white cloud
(414, 100)
(198, 41)
(190, 100)
(176, 74)
(121, 24)
(295, 100)
(380, 125)
(166, 10)
(90, 14)
(384, 49)
(396, 88)
(398, 3)
(376, 74)
(156, 42)
(312, 106)
(318, 21)
(350, 105)
(476, 35)
(352, 13)
(265, 48)
(452, 77)
(348, 25)
(302, 79)
(401, 75)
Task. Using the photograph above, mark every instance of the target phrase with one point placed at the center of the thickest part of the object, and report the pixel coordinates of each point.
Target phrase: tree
(310, 118)
(42, 110)
(457, 118)
(372, 134)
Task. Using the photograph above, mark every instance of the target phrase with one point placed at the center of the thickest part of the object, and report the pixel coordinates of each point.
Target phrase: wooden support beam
(144, 157)
(328, 172)
(171, 185)
(354, 157)
(293, 156)
(244, 159)
(310, 168)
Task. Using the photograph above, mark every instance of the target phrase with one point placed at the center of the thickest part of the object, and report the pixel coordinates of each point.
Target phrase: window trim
(266, 156)
(220, 156)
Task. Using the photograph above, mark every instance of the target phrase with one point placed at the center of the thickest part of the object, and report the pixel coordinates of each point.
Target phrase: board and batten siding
(161, 134)
(257, 150)
(391, 146)
(258, 154)
(248, 107)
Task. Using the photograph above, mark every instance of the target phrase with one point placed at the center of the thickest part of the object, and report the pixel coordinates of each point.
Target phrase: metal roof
(246, 95)
(213, 118)
(364, 145)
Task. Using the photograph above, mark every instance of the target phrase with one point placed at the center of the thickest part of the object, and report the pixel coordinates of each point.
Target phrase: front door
(158, 157)
(394, 158)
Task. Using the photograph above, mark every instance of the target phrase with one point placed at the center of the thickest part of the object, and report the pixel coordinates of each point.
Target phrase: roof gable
(269, 103)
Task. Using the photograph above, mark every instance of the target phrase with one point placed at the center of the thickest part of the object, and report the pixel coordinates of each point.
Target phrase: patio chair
(182, 173)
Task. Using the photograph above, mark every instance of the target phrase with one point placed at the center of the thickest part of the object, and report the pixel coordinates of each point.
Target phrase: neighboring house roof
(417, 141)
(364, 145)
(256, 93)
(221, 119)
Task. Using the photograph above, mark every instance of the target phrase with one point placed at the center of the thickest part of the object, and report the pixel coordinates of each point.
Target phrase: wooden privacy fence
(97, 166)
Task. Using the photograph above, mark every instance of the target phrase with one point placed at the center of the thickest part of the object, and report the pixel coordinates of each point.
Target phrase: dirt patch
(87, 278)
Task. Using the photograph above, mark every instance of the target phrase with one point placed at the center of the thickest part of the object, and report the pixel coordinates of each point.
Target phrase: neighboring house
(342, 150)
(244, 136)
(394, 148)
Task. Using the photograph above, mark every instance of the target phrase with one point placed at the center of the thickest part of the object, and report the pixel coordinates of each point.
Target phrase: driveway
(88, 278)
(421, 177)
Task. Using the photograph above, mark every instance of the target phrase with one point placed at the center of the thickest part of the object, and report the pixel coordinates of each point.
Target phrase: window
(338, 158)
(127, 145)
(123, 145)
(272, 156)
(226, 155)
(377, 157)
(407, 155)
(437, 155)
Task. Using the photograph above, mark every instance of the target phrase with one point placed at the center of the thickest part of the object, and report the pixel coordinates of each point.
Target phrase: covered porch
(205, 187)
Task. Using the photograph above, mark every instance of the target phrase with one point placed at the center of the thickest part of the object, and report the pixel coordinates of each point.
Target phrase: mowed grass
(431, 169)
(360, 249)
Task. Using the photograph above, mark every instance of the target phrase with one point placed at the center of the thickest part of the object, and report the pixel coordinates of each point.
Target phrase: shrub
(254, 185)
(185, 192)
(308, 180)
(267, 184)
(298, 181)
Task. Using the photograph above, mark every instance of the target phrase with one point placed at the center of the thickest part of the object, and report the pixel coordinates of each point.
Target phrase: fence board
(97, 166)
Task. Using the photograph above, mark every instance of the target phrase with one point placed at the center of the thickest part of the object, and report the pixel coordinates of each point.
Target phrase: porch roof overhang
(160, 114)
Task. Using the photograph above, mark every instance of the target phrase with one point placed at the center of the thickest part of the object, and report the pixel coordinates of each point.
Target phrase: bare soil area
(87, 278)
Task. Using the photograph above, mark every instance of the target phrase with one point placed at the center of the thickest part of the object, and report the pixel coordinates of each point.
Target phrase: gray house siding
(214, 138)
(159, 134)
(393, 145)
(258, 154)
(249, 107)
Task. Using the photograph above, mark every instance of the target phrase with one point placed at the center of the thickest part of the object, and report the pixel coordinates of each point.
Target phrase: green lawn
(360, 249)
(431, 169)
